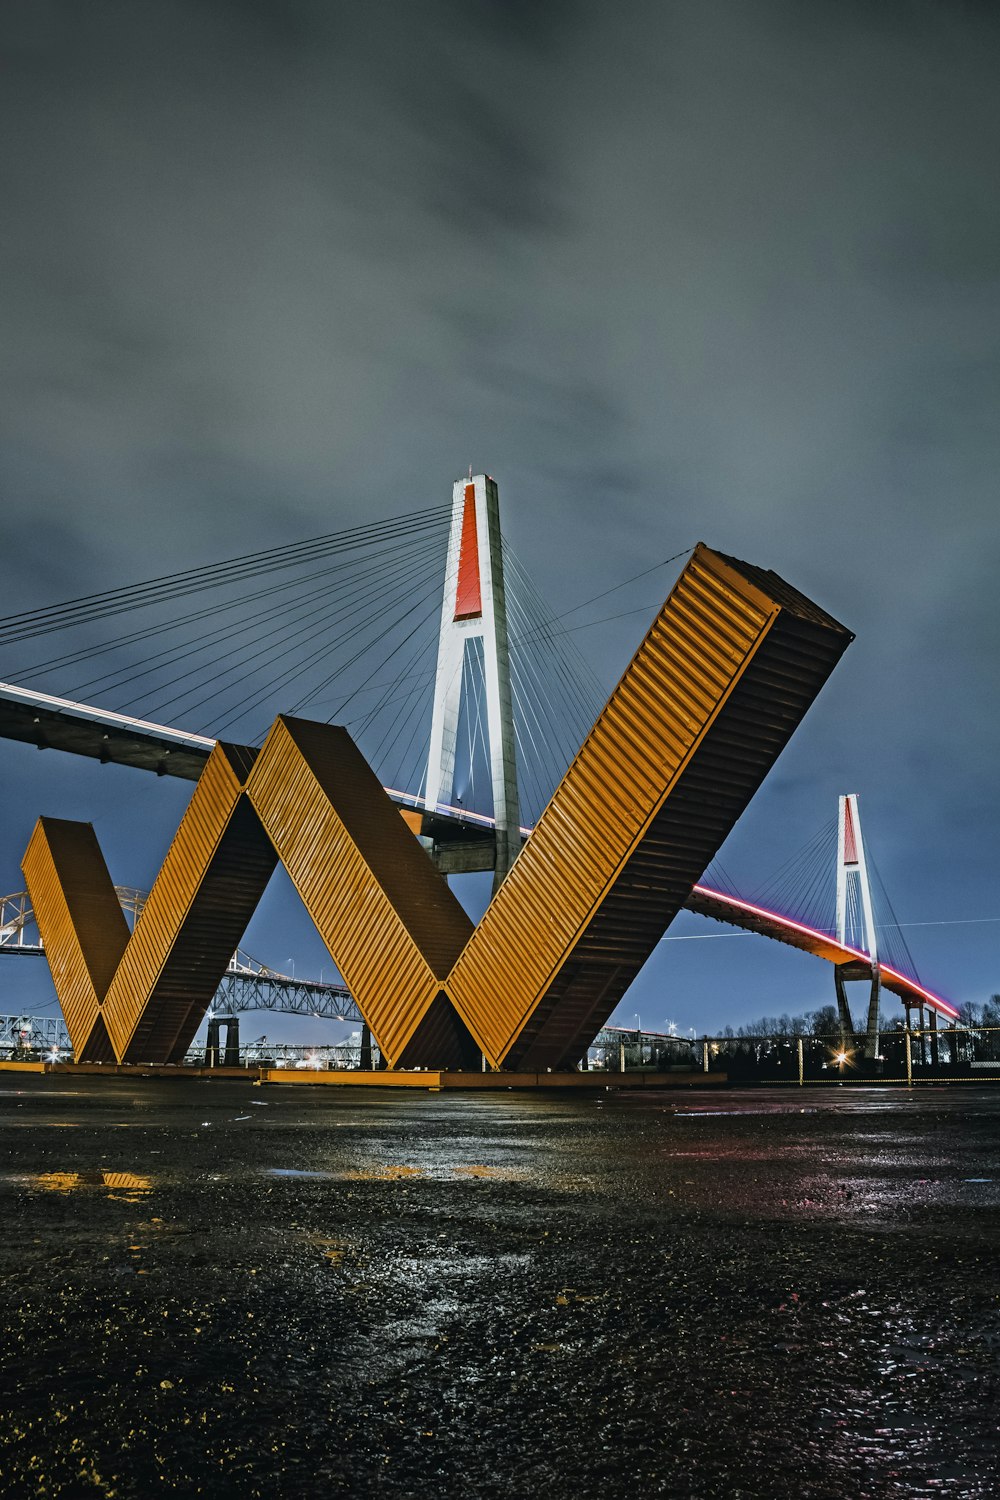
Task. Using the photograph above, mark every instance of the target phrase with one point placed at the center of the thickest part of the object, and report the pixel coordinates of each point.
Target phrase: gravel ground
(217, 1289)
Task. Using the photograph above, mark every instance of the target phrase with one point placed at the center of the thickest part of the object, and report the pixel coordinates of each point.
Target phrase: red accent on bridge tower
(474, 610)
(468, 592)
(850, 844)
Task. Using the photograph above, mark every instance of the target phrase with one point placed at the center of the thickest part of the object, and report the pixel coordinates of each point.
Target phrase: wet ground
(217, 1289)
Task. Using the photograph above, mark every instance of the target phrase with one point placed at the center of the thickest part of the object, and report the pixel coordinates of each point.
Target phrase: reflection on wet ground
(68, 1182)
(221, 1290)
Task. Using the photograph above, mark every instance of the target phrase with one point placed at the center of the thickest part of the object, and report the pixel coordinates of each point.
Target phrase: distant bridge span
(739, 913)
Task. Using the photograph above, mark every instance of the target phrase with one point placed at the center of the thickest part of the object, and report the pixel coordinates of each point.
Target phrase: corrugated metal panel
(81, 923)
(440, 1039)
(708, 798)
(391, 924)
(213, 877)
(707, 703)
(724, 675)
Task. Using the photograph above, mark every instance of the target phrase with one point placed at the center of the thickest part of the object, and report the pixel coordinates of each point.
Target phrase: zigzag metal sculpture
(142, 998)
(726, 672)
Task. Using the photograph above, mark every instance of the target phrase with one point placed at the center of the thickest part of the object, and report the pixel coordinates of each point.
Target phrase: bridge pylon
(855, 919)
(474, 607)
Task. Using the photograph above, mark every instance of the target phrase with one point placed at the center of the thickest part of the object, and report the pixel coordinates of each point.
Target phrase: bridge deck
(111, 738)
(751, 918)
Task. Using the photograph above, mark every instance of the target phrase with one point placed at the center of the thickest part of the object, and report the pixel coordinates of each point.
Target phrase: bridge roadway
(459, 841)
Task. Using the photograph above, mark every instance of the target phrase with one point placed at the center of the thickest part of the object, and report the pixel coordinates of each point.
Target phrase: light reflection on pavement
(324, 1292)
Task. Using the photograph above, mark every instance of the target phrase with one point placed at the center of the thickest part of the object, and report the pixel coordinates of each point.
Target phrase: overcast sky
(669, 271)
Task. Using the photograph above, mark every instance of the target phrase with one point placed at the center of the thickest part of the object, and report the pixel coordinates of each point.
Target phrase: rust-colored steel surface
(206, 892)
(392, 926)
(726, 672)
(82, 927)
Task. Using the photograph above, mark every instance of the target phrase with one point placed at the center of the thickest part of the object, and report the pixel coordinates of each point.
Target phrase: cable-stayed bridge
(469, 706)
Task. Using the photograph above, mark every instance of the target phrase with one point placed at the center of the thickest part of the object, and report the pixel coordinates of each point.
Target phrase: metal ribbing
(710, 698)
(508, 984)
(440, 1040)
(391, 924)
(211, 880)
(81, 923)
(638, 744)
(740, 747)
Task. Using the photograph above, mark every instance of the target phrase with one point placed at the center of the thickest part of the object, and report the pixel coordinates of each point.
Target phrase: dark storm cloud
(240, 236)
(720, 270)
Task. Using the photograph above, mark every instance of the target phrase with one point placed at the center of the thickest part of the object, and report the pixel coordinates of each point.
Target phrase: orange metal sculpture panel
(724, 675)
(81, 924)
(141, 999)
(392, 926)
(726, 672)
(709, 700)
(206, 892)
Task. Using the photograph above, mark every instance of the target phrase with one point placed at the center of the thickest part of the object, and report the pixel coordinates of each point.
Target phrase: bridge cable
(685, 552)
(393, 623)
(293, 613)
(195, 616)
(28, 623)
(349, 607)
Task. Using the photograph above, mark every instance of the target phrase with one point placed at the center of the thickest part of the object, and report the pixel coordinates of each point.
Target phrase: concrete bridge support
(855, 918)
(215, 1055)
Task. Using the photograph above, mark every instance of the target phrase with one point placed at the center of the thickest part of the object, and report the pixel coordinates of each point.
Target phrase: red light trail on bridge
(738, 913)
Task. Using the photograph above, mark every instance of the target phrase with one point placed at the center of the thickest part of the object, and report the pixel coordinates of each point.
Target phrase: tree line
(825, 1021)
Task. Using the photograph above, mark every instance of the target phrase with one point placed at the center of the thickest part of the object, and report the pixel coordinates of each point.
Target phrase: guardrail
(900, 1055)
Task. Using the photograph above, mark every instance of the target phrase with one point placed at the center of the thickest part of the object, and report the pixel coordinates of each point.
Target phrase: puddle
(494, 1174)
(71, 1182)
(404, 1172)
(384, 1174)
(332, 1251)
(390, 1173)
(295, 1172)
(705, 1114)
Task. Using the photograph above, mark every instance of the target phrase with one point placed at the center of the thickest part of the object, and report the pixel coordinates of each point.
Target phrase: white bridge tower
(475, 607)
(855, 918)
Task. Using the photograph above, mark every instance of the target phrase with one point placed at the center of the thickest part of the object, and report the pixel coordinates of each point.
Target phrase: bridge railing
(901, 1055)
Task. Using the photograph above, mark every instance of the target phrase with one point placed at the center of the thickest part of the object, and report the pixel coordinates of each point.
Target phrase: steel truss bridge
(246, 985)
